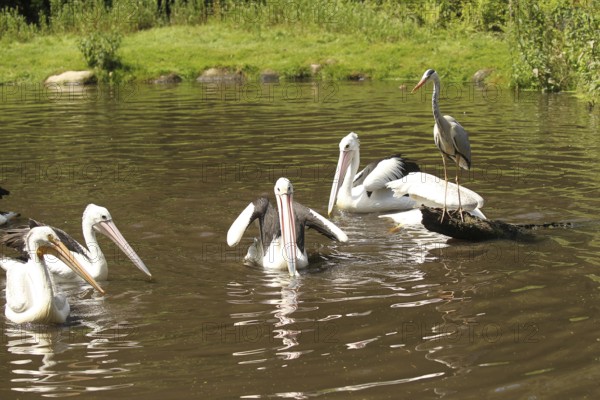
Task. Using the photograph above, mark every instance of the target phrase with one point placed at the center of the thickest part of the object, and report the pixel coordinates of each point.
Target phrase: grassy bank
(550, 46)
(189, 50)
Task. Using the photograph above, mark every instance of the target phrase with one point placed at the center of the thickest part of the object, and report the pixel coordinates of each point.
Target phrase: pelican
(450, 137)
(6, 216)
(366, 191)
(281, 241)
(30, 292)
(428, 190)
(95, 219)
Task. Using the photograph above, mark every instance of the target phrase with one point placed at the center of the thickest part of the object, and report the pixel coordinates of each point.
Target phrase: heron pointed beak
(108, 228)
(60, 251)
(338, 178)
(421, 83)
(287, 222)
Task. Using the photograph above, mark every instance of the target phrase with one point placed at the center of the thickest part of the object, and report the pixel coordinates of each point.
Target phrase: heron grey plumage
(450, 137)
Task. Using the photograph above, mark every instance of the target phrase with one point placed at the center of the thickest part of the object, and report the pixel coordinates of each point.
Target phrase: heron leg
(460, 210)
(445, 187)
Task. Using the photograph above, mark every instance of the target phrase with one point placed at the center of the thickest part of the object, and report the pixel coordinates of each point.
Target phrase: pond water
(387, 315)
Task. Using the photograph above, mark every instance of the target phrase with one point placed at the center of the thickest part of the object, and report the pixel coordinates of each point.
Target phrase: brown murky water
(386, 315)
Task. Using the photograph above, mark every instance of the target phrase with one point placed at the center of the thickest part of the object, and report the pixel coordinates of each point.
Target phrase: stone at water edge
(269, 76)
(71, 77)
(212, 75)
(166, 79)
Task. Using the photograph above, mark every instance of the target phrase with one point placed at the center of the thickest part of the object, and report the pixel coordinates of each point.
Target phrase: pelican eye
(104, 217)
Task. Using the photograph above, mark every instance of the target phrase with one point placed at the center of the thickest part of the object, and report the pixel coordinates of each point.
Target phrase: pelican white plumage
(30, 292)
(392, 184)
(429, 190)
(280, 244)
(95, 219)
(366, 191)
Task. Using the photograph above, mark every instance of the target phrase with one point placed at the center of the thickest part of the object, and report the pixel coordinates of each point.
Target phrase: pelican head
(43, 240)
(101, 221)
(426, 76)
(284, 191)
(349, 148)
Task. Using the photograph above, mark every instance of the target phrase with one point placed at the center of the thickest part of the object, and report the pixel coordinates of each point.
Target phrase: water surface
(386, 315)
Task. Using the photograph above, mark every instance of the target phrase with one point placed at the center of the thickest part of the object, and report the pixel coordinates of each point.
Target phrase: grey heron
(450, 137)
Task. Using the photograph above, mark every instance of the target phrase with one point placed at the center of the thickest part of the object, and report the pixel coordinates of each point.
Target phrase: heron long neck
(437, 115)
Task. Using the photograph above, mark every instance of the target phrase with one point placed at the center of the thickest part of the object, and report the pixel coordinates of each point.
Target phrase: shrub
(556, 46)
(14, 26)
(100, 50)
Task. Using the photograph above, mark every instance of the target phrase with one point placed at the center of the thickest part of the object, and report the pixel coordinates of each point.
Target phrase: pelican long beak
(287, 222)
(109, 229)
(60, 251)
(338, 179)
(421, 83)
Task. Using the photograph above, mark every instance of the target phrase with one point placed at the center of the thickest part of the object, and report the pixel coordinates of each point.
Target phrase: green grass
(188, 50)
(35, 60)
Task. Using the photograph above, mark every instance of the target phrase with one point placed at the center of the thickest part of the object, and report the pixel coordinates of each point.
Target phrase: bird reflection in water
(55, 373)
(285, 308)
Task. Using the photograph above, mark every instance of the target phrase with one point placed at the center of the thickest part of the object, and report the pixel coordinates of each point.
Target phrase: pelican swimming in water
(6, 216)
(95, 219)
(281, 241)
(30, 292)
(365, 191)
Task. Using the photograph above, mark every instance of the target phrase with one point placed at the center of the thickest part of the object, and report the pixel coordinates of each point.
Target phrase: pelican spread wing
(281, 229)
(429, 190)
(316, 221)
(375, 175)
(254, 210)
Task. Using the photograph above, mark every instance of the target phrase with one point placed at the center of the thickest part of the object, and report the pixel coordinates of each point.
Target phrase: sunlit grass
(189, 50)
(35, 60)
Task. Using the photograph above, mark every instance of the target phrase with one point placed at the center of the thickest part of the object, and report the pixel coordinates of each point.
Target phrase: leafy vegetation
(553, 45)
(100, 50)
(557, 46)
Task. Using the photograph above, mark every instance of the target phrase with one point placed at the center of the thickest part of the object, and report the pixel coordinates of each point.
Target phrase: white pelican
(95, 219)
(6, 216)
(449, 136)
(428, 190)
(281, 241)
(366, 191)
(30, 292)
